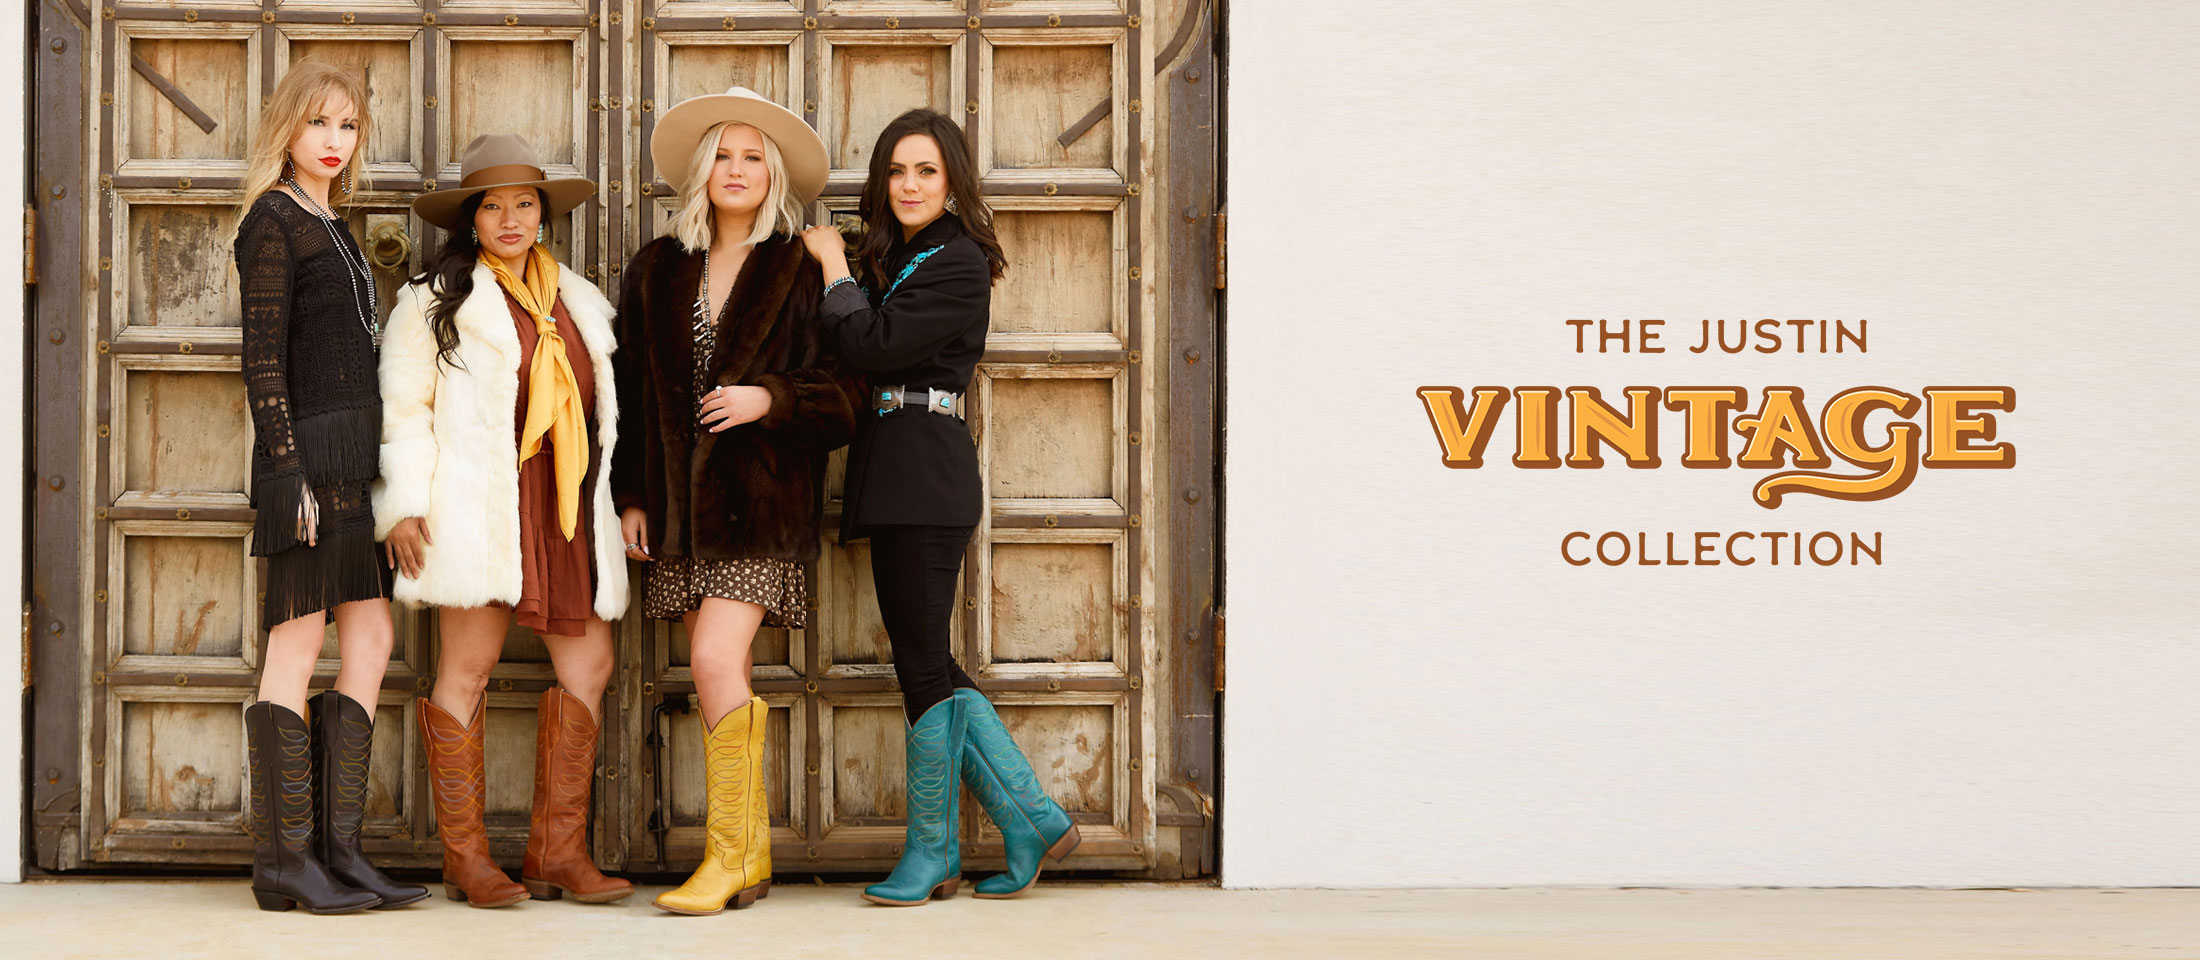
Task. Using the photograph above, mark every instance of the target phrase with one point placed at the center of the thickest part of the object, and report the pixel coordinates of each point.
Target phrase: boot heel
(541, 889)
(946, 889)
(744, 898)
(452, 891)
(764, 890)
(1062, 847)
(273, 901)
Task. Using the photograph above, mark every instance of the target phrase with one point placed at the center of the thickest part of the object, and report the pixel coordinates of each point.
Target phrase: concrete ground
(189, 919)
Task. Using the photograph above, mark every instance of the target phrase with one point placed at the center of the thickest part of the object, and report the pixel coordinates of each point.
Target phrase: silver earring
(951, 203)
(475, 237)
(289, 171)
(542, 233)
(347, 178)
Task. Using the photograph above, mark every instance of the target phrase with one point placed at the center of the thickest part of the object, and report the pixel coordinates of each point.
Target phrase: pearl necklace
(355, 265)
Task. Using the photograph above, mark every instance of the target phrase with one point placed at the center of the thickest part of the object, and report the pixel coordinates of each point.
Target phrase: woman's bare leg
(583, 663)
(719, 635)
(472, 639)
(364, 636)
(286, 666)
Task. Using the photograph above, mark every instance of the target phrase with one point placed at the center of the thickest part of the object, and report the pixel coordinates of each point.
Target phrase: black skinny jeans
(915, 569)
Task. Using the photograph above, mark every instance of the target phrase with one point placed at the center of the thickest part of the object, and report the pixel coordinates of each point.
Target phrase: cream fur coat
(448, 453)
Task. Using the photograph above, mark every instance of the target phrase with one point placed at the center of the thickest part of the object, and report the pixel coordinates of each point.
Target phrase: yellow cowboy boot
(733, 762)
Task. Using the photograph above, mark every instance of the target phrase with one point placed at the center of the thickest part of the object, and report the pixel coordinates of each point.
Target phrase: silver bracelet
(829, 287)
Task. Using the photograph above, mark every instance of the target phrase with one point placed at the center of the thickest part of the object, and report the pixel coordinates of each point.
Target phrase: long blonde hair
(304, 90)
(780, 212)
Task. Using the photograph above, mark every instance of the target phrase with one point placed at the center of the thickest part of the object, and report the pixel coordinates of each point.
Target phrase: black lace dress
(309, 374)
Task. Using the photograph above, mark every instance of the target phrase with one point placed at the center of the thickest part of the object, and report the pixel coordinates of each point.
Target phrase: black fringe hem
(343, 567)
(340, 444)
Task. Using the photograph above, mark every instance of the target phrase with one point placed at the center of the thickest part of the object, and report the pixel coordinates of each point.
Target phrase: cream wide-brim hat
(495, 160)
(672, 145)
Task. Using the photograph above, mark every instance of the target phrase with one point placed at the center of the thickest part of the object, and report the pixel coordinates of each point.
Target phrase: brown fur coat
(757, 489)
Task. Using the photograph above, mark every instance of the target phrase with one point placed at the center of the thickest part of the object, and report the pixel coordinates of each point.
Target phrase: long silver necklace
(355, 265)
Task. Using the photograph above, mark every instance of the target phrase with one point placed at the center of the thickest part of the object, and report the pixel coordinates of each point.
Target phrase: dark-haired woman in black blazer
(915, 324)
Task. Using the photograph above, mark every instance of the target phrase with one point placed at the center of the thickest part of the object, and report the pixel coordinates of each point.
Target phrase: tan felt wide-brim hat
(501, 160)
(672, 145)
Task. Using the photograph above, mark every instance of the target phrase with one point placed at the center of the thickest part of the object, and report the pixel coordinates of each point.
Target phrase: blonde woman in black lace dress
(310, 339)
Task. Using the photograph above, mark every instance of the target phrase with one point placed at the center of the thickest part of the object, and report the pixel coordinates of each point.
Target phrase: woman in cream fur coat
(499, 418)
(446, 456)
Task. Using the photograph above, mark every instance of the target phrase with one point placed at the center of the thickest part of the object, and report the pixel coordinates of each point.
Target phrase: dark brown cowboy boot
(285, 873)
(557, 833)
(470, 875)
(343, 735)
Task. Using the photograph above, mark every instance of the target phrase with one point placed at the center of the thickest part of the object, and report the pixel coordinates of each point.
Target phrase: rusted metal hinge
(30, 251)
(1222, 247)
(1218, 651)
(27, 646)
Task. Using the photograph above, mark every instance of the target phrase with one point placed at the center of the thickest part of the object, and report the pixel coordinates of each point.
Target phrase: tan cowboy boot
(470, 875)
(557, 859)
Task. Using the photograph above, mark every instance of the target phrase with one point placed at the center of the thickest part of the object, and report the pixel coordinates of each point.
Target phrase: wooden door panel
(1052, 437)
(389, 67)
(207, 73)
(1060, 270)
(715, 9)
(848, 617)
(509, 751)
(186, 598)
(182, 762)
(1039, 93)
(178, 263)
(530, 87)
(213, 73)
(389, 794)
(871, 77)
(184, 431)
(695, 63)
(866, 742)
(1039, 88)
(190, 603)
(1054, 602)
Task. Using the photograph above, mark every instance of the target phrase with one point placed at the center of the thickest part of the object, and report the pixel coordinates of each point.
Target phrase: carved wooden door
(1088, 596)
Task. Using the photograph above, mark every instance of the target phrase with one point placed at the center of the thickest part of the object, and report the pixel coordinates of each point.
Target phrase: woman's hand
(730, 406)
(634, 524)
(830, 250)
(403, 546)
(309, 516)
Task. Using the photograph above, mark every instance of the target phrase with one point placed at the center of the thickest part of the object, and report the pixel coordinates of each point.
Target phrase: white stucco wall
(14, 41)
(1422, 693)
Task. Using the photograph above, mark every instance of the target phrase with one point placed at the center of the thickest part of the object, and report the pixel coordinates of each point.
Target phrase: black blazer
(913, 466)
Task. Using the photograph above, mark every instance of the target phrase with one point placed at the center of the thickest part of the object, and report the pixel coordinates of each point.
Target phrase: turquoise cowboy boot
(931, 853)
(1033, 826)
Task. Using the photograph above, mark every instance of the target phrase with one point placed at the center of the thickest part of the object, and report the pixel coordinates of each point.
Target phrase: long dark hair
(962, 187)
(452, 271)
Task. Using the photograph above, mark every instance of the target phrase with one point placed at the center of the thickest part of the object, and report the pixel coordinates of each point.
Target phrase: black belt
(885, 400)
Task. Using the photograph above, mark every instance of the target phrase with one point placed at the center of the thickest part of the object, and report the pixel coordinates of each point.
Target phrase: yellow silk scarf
(553, 397)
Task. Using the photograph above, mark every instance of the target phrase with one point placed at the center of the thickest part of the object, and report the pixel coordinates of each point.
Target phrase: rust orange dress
(557, 592)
